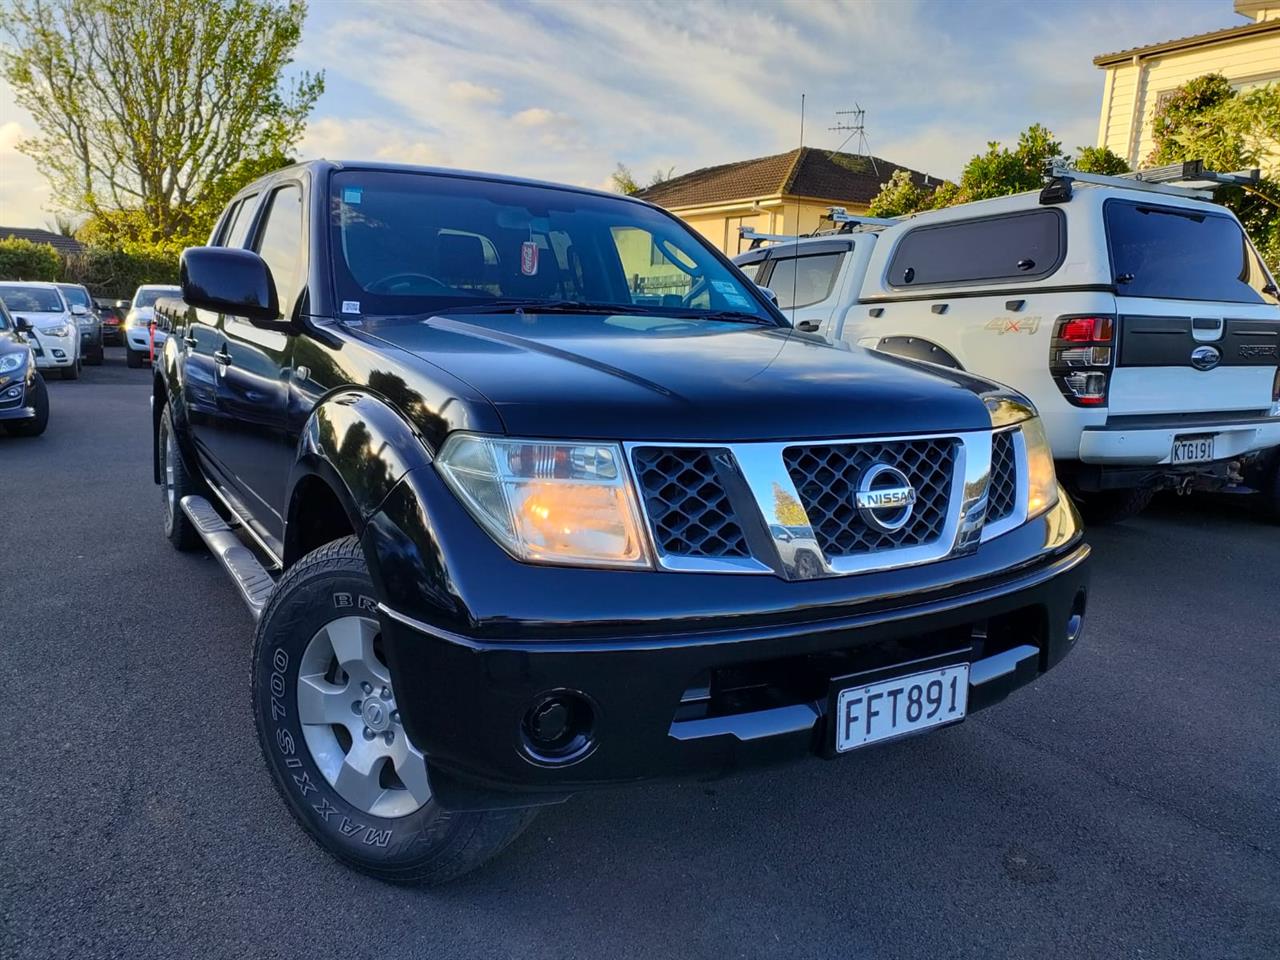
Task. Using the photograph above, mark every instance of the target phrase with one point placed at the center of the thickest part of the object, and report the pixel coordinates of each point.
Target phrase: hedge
(109, 274)
(25, 260)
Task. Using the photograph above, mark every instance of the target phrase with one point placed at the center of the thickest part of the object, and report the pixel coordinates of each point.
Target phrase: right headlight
(1042, 480)
(546, 501)
(57, 330)
(12, 361)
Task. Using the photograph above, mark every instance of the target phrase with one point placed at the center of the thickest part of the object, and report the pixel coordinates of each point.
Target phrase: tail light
(1081, 356)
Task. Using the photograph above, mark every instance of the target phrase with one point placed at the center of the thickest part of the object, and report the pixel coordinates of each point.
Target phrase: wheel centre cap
(377, 714)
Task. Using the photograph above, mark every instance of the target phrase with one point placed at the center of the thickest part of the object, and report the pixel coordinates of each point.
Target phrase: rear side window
(1016, 247)
(803, 281)
(238, 226)
(1179, 253)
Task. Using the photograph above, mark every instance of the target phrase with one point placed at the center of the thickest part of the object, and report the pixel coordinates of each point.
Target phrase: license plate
(1192, 449)
(901, 705)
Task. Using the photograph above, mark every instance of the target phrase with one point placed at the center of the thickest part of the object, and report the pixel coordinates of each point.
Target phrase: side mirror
(22, 324)
(79, 309)
(773, 297)
(230, 280)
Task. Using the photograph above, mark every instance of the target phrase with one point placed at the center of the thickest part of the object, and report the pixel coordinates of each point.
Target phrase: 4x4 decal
(1003, 325)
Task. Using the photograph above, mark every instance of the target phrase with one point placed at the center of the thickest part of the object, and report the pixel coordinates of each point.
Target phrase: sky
(564, 90)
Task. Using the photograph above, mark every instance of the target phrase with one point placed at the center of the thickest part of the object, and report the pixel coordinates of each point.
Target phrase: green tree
(143, 109)
(1206, 119)
(1099, 160)
(624, 181)
(997, 172)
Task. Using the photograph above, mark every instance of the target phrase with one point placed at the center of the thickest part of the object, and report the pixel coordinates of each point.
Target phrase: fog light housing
(59, 355)
(1075, 621)
(558, 728)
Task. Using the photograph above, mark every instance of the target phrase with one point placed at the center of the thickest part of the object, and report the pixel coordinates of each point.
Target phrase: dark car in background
(112, 313)
(87, 319)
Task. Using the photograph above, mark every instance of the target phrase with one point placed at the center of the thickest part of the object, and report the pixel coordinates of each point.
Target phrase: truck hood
(633, 377)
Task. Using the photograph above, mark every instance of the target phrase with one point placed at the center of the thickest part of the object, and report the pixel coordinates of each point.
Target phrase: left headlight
(57, 330)
(12, 361)
(1042, 479)
(548, 502)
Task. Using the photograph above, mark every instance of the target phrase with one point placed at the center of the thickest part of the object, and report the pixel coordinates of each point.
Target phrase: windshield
(31, 299)
(1183, 254)
(76, 296)
(407, 243)
(147, 297)
(4, 317)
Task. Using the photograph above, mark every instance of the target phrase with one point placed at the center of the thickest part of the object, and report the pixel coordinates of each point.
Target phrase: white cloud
(473, 92)
(24, 193)
(536, 117)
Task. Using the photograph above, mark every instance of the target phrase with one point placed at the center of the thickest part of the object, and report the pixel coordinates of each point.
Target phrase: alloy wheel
(351, 722)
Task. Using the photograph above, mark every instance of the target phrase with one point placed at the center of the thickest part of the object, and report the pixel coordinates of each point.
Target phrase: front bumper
(1152, 445)
(139, 338)
(706, 689)
(47, 359)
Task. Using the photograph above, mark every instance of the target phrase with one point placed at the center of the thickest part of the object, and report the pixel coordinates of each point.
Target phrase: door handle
(223, 358)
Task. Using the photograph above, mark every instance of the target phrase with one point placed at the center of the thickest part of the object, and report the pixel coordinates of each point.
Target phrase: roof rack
(845, 222)
(1186, 179)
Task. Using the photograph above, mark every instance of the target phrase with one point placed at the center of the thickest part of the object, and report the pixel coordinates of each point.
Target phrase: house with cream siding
(1138, 80)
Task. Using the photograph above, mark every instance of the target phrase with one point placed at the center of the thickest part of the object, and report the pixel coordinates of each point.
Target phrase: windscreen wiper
(521, 305)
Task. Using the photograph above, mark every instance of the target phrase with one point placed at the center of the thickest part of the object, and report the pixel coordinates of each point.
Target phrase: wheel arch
(918, 348)
(352, 451)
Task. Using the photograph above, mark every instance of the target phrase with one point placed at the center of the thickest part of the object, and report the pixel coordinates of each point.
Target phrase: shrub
(24, 260)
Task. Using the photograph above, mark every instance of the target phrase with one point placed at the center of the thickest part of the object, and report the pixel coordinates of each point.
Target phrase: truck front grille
(689, 512)
(791, 509)
(1003, 495)
(826, 478)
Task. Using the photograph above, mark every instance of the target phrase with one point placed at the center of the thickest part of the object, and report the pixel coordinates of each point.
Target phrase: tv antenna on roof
(854, 123)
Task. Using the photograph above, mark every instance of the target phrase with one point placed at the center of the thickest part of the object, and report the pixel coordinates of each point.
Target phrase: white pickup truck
(1135, 314)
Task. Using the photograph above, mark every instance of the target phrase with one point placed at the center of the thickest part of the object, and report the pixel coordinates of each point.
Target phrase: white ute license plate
(891, 708)
(1192, 449)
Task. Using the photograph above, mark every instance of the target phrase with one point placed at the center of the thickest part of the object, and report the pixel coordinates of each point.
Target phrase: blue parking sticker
(352, 195)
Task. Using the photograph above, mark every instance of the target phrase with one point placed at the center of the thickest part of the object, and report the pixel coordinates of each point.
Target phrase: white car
(55, 334)
(137, 323)
(1136, 315)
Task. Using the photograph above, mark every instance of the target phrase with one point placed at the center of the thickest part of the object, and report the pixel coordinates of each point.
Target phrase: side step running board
(238, 560)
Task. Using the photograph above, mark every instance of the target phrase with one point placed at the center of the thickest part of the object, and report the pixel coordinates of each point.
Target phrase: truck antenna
(795, 272)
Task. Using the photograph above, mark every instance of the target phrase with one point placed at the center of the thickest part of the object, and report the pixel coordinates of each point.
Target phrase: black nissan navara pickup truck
(530, 491)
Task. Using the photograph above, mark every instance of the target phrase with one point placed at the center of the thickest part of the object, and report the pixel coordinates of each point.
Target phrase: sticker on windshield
(725, 287)
(736, 300)
(352, 195)
(529, 258)
(350, 306)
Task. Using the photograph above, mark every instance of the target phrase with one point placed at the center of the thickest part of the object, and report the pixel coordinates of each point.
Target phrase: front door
(251, 376)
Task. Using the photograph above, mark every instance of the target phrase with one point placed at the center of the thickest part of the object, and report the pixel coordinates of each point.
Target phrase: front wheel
(132, 358)
(72, 372)
(329, 726)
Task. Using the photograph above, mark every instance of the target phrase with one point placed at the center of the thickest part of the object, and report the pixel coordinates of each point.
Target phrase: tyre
(1271, 491)
(330, 732)
(72, 372)
(35, 427)
(175, 483)
(1114, 506)
(132, 357)
(96, 358)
